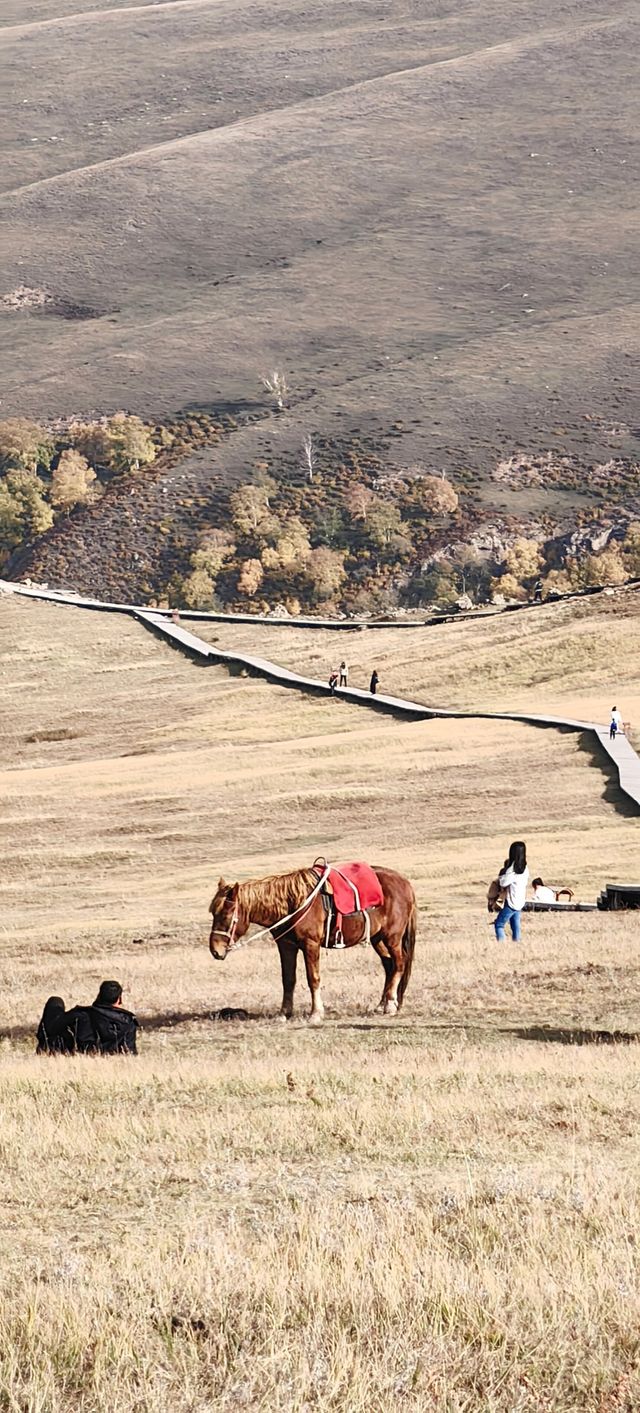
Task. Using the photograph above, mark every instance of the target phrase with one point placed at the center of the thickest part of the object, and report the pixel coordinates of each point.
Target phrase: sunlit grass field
(572, 659)
(433, 1213)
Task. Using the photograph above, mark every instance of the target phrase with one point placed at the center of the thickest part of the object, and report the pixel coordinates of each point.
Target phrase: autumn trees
(24, 512)
(343, 537)
(262, 559)
(46, 473)
(317, 526)
(115, 445)
(528, 562)
(24, 445)
(72, 482)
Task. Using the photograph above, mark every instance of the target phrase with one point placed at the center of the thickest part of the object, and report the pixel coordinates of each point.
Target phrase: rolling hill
(426, 218)
(427, 221)
(248, 1199)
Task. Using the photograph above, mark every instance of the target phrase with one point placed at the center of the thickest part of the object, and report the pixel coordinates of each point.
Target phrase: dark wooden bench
(619, 897)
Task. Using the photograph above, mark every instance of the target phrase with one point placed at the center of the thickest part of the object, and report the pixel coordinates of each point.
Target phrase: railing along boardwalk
(619, 750)
(337, 625)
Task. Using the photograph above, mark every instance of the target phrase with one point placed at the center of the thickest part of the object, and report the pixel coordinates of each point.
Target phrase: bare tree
(309, 455)
(276, 384)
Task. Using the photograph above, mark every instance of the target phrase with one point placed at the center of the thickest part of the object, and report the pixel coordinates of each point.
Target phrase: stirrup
(338, 945)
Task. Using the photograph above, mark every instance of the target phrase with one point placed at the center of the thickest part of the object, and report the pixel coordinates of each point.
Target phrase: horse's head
(226, 923)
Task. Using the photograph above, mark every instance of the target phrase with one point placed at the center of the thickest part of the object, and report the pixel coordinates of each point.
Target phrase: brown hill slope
(424, 220)
(408, 241)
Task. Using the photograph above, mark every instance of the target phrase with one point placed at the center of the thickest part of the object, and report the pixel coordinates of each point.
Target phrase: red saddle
(355, 887)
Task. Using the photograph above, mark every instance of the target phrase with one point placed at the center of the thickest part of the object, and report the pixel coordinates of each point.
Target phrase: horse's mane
(278, 894)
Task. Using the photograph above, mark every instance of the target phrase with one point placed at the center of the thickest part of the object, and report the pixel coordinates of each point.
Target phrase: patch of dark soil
(61, 733)
(65, 309)
(243, 410)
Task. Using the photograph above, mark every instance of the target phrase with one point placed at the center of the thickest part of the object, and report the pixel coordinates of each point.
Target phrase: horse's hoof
(379, 1010)
(315, 1018)
(391, 1008)
(281, 1017)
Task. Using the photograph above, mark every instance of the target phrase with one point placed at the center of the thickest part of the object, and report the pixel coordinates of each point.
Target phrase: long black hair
(518, 856)
(48, 1033)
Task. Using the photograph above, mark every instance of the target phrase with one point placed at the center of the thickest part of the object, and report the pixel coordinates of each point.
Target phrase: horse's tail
(408, 948)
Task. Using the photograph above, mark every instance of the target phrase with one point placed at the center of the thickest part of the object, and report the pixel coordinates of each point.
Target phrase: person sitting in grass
(49, 1033)
(105, 1028)
(543, 893)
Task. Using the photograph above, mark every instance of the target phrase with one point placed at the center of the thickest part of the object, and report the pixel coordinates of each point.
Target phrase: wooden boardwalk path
(620, 750)
(336, 625)
(625, 760)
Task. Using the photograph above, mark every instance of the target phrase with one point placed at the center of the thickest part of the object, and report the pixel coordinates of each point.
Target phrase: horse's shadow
(569, 1035)
(164, 1020)
(546, 1034)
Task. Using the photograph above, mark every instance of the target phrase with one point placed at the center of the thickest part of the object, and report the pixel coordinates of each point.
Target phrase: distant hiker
(616, 724)
(373, 685)
(105, 1028)
(537, 591)
(513, 879)
(333, 682)
(344, 675)
(175, 616)
(542, 893)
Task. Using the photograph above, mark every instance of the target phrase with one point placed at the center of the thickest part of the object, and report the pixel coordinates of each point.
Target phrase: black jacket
(115, 1028)
(97, 1030)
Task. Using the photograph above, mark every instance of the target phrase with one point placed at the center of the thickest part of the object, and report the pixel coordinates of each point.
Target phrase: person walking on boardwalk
(513, 880)
(373, 685)
(344, 675)
(616, 724)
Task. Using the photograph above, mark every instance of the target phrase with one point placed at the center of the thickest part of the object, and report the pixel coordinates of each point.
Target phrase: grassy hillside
(573, 659)
(410, 213)
(436, 1211)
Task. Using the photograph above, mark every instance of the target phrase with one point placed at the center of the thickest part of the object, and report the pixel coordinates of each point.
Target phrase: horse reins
(301, 908)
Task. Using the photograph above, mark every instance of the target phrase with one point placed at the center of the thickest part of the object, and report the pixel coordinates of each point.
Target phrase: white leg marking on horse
(317, 1009)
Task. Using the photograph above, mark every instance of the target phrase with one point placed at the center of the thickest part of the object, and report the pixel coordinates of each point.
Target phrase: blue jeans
(511, 916)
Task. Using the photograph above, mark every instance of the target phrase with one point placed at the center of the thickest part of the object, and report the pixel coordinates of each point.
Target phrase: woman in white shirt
(513, 880)
(616, 724)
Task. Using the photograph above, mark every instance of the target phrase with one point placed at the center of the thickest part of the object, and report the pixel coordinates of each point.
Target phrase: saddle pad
(355, 887)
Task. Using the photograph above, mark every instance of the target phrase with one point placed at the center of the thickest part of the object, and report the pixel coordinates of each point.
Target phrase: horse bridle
(230, 932)
(302, 908)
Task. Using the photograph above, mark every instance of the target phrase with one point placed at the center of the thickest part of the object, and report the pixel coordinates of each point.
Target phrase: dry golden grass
(574, 659)
(438, 1213)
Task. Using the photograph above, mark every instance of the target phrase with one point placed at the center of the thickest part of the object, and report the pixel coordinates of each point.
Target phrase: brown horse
(285, 897)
